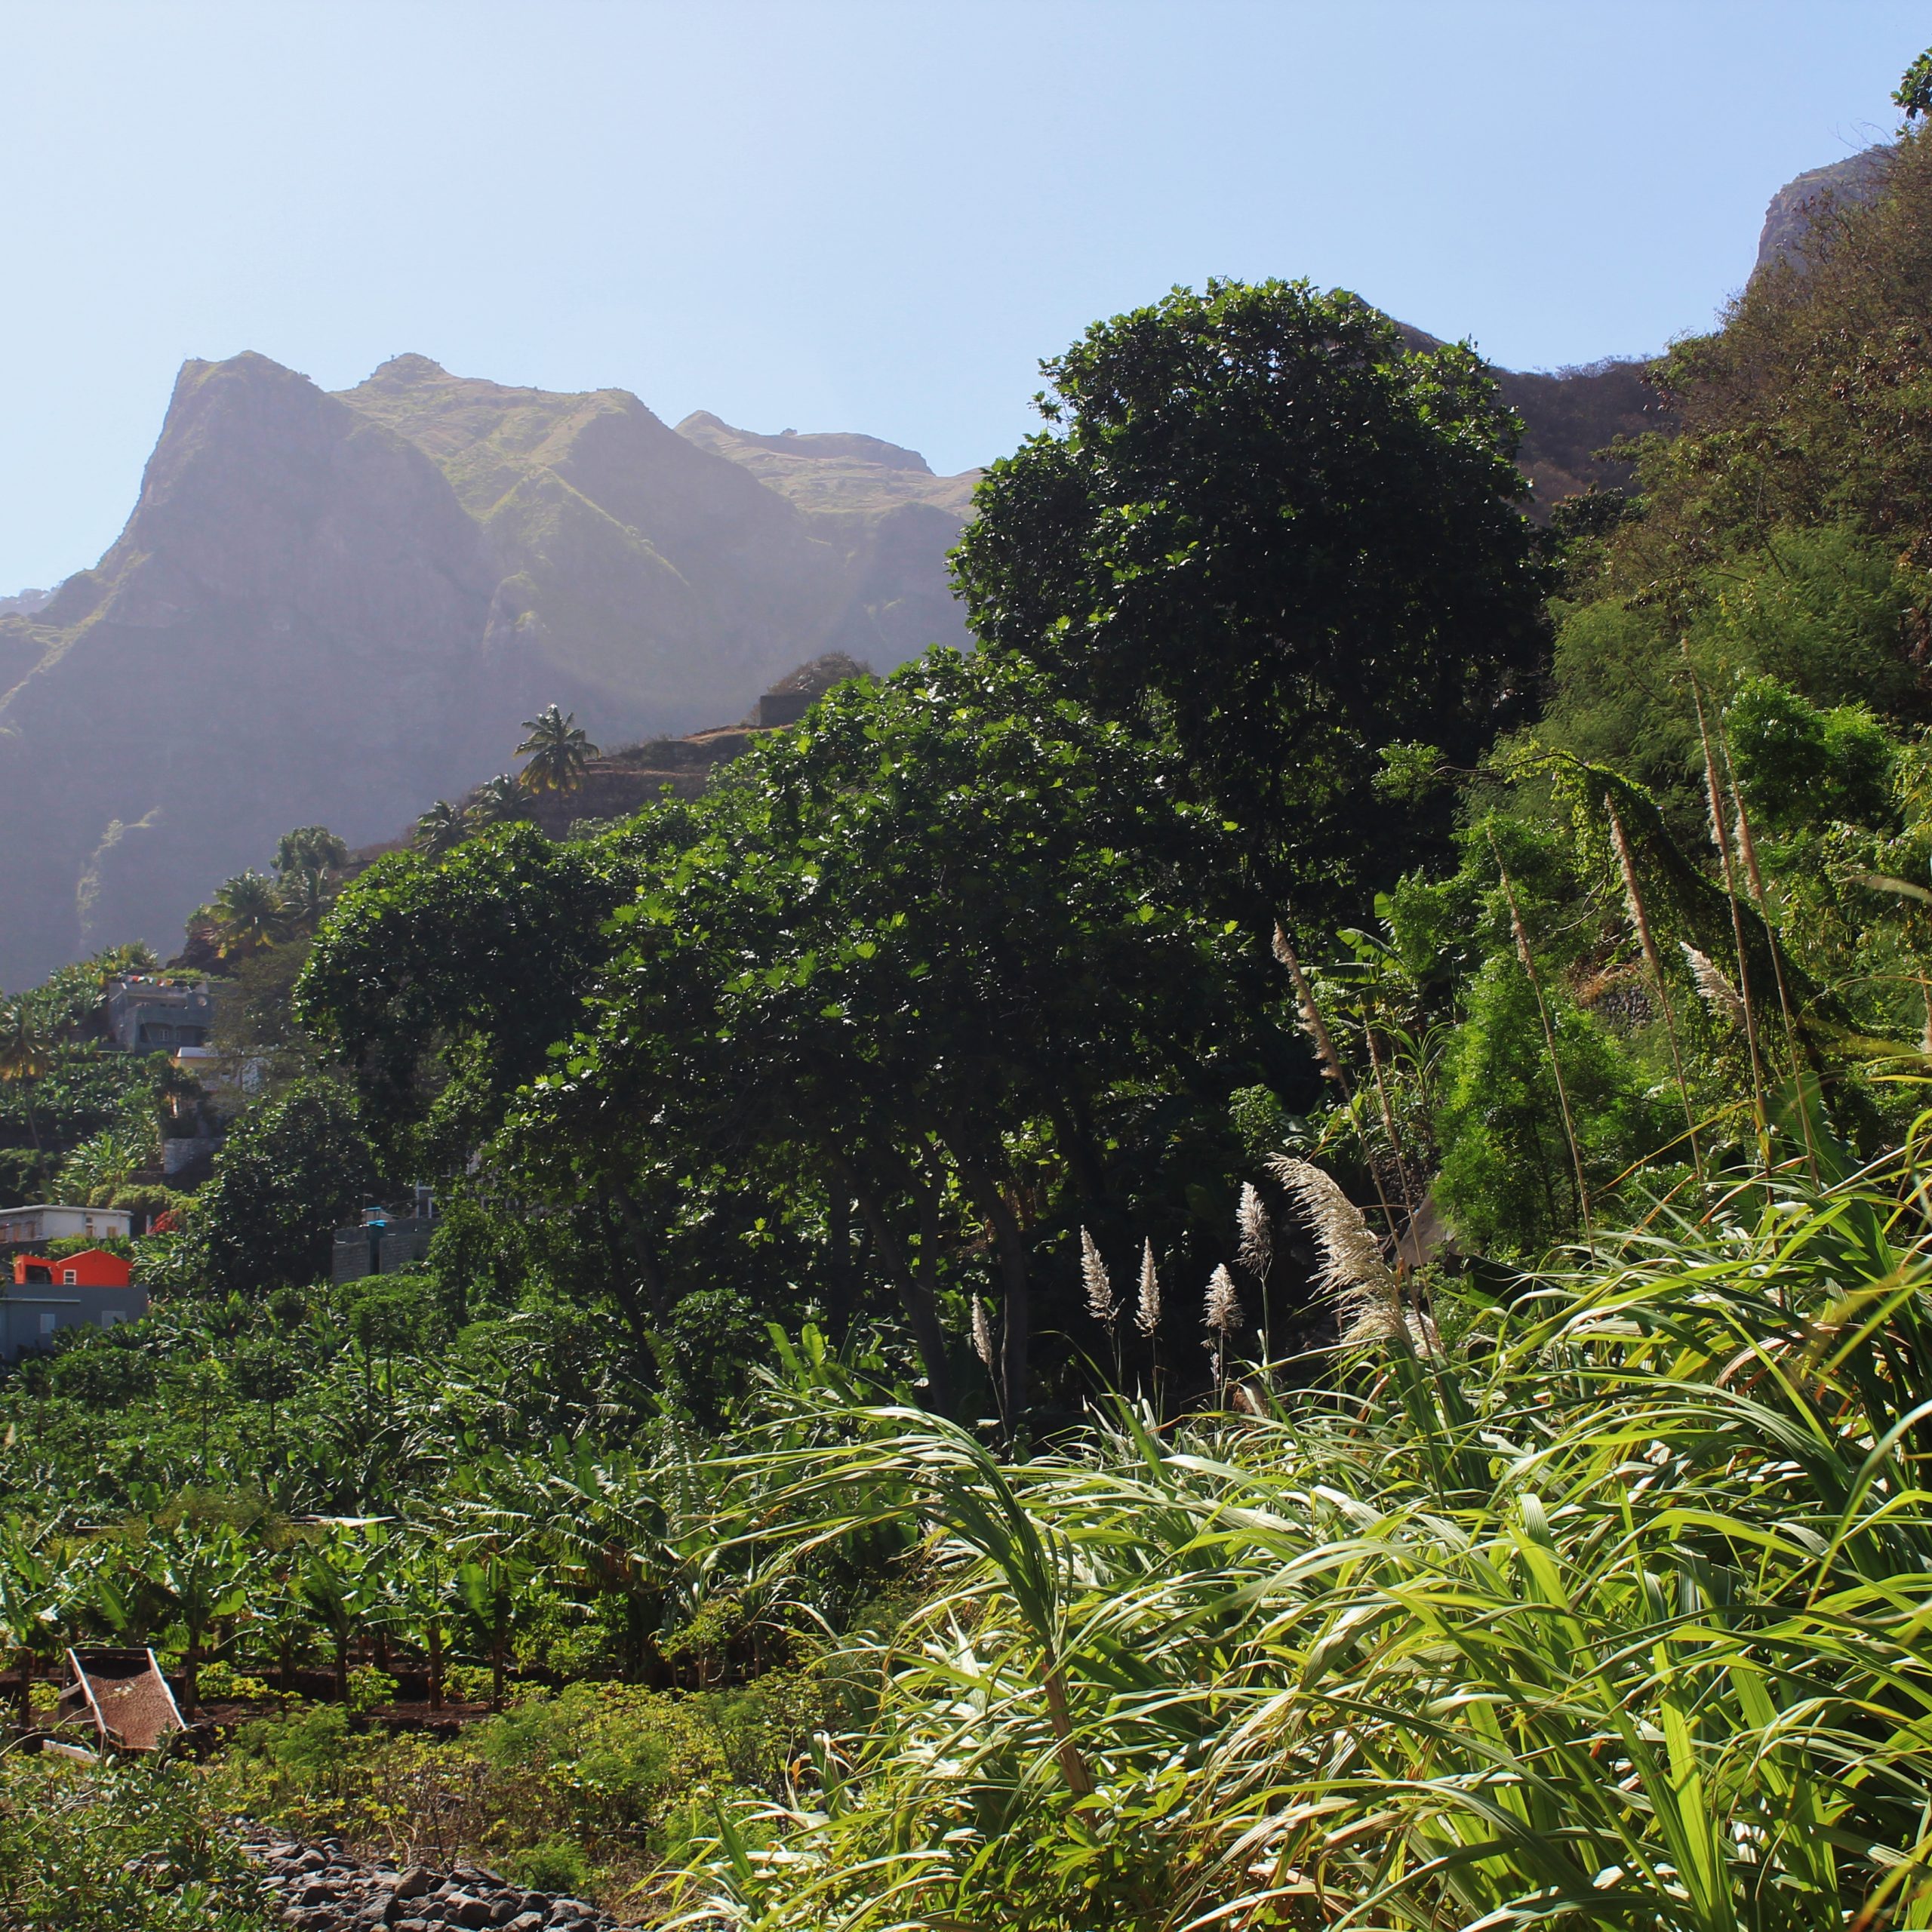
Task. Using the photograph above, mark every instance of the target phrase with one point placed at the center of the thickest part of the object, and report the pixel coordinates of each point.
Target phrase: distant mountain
(1568, 416)
(834, 473)
(335, 609)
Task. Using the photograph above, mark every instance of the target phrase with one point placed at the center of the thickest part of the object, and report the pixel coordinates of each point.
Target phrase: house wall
(30, 1318)
(35, 1226)
(92, 1268)
(143, 1017)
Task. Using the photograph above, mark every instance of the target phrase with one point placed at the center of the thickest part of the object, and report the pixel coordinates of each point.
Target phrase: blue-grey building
(32, 1314)
(147, 1013)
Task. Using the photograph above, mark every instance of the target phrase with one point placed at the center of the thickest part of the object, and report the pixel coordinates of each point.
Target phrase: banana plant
(199, 1574)
(340, 1582)
(35, 1596)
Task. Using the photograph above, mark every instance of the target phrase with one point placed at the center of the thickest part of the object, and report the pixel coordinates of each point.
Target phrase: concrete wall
(406, 1239)
(30, 1318)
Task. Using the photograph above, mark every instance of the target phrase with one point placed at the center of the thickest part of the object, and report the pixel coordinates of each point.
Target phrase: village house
(384, 1241)
(36, 1226)
(145, 1013)
(92, 1288)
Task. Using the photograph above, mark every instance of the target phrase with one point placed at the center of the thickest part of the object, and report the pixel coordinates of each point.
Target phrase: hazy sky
(868, 214)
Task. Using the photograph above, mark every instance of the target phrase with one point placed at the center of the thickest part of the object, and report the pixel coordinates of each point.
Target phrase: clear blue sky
(868, 214)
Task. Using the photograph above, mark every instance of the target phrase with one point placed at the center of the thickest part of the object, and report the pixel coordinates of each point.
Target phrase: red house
(92, 1268)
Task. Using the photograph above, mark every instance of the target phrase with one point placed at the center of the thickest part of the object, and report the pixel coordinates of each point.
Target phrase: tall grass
(1613, 1609)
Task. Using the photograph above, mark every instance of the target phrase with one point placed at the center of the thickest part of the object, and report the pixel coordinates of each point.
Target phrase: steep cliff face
(290, 629)
(335, 609)
(1810, 198)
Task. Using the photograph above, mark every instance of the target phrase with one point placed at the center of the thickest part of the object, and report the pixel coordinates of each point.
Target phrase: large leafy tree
(943, 952)
(1258, 526)
(291, 1172)
(474, 966)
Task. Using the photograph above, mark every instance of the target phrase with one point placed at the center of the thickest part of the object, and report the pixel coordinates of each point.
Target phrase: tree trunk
(915, 1296)
(342, 1669)
(621, 1287)
(1016, 1283)
(191, 1673)
(637, 1233)
(26, 1689)
(838, 1263)
(1075, 1140)
(435, 1667)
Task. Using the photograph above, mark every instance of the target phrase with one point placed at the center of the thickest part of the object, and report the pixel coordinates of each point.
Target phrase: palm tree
(306, 862)
(26, 1052)
(100, 1165)
(136, 956)
(247, 914)
(338, 1583)
(33, 1596)
(441, 829)
(559, 750)
(425, 1598)
(496, 801)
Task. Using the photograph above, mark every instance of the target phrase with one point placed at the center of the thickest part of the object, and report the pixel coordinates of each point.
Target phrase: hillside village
(186, 1073)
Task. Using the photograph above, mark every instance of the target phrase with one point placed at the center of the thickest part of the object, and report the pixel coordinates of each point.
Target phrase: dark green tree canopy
(492, 948)
(1257, 524)
(292, 1171)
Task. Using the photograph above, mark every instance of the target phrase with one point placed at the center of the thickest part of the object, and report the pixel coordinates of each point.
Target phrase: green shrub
(369, 1687)
(556, 1866)
(1508, 1182)
(308, 1744)
(121, 1847)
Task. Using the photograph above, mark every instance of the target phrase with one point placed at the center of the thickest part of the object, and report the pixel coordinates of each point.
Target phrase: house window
(69, 1277)
(47, 1321)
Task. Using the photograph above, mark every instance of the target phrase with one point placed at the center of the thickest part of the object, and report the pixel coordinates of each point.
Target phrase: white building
(34, 1227)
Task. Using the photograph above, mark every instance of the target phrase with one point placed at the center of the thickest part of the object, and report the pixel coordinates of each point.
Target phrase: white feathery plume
(1147, 1317)
(1640, 920)
(1365, 1288)
(1100, 1302)
(1256, 1250)
(1718, 994)
(982, 1334)
(1222, 1309)
(1311, 1014)
(1626, 863)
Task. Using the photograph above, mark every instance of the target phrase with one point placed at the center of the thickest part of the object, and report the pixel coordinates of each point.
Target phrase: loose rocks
(325, 1887)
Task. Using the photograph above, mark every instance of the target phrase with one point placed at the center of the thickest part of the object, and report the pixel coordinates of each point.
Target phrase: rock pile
(325, 1887)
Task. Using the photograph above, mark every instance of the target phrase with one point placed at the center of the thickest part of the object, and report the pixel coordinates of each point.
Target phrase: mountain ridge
(334, 607)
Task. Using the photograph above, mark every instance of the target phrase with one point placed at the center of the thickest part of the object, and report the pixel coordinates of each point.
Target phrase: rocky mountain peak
(1808, 197)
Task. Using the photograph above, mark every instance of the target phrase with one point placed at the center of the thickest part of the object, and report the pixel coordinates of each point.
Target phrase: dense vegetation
(940, 1394)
